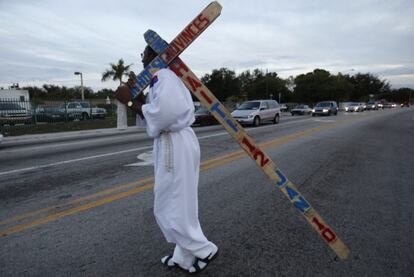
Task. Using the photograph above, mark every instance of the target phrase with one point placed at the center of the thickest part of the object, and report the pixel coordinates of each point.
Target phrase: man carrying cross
(168, 114)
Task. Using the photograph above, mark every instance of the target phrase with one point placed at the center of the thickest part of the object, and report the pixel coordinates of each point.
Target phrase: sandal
(200, 264)
(167, 261)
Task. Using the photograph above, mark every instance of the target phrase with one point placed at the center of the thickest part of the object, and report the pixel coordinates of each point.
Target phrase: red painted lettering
(263, 159)
(170, 53)
(248, 144)
(178, 67)
(201, 22)
(193, 83)
(328, 235)
(206, 97)
(180, 42)
(255, 152)
(326, 232)
(318, 224)
(188, 34)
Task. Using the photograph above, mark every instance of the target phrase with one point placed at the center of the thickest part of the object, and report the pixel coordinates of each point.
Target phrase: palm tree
(116, 72)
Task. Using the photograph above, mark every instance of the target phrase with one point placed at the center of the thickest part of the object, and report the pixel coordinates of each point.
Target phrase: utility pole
(267, 86)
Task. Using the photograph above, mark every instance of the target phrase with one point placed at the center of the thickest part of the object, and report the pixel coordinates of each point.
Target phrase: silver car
(325, 108)
(355, 107)
(257, 111)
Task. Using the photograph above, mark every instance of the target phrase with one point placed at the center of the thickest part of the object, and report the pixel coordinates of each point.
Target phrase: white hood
(242, 113)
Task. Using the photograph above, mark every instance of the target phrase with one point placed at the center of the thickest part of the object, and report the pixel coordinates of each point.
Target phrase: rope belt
(168, 154)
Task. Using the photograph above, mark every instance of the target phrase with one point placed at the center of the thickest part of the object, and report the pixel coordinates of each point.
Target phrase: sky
(46, 41)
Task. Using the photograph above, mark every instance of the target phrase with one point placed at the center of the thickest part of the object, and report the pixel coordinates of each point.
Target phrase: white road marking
(146, 158)
(74, 160)
(129, 150)
(324, 120)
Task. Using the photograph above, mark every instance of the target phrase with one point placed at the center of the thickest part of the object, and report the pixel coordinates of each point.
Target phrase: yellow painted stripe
(88, 206)
(212, 163)
(76, 201)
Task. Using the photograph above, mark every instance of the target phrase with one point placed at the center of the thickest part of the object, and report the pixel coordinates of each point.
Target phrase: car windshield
(300, 107)
(84, 105)
(249, 106)
(354, 104)
(323, 104)
(10, 106)
(50, 109)
(202, 110)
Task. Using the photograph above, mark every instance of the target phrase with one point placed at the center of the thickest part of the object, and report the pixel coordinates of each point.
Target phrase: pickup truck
(87, 111)
(12, 113)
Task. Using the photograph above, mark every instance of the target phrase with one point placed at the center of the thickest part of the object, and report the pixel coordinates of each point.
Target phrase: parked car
(204, 117)
(12, 113)
(87, 111)
(301, 110)
(257, 111)
(1, 138)
(404, 104)
(56, 114)
(325, 108)
(355, 107)
(284, 108)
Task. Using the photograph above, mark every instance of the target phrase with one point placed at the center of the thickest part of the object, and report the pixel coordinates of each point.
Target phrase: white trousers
(177, 166)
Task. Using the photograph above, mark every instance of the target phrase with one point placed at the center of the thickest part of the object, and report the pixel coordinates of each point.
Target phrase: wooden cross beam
(170, 58)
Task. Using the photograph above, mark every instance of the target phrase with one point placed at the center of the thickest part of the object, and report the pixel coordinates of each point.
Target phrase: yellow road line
(21, 227)
(212, 163)
(76, 201)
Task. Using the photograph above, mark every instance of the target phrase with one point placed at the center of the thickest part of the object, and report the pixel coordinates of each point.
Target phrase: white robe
(169, 113)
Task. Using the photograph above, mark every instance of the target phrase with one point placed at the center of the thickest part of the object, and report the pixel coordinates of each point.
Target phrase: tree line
(310, 88)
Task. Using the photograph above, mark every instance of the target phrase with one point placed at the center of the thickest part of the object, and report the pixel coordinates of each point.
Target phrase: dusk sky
(45, 41)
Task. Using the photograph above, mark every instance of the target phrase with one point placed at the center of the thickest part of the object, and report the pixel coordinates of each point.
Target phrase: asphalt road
(84, 207)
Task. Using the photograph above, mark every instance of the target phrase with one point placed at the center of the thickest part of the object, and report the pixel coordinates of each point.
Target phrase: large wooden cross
(168, 56)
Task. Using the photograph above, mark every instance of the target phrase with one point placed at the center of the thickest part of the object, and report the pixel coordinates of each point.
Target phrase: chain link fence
(19, 117)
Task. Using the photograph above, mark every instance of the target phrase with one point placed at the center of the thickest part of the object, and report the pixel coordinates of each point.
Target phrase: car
(325, 108)
(1, 138)
(355, 107)
(363, 105)
(372, 105)
(204, 117)
(344, 106)
(284, 108)
(387, 105)
(86, 109)
(301, 110)
(257, 111)
(404, 104)
(56, 114)
(90, 111)
(12, 113)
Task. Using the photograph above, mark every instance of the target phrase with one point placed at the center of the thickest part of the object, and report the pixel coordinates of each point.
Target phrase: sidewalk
(65, 136)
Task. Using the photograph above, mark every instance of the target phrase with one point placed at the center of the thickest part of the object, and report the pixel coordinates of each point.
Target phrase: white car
(1, 138)
(355, 107)
(257, 111)
(301, 110)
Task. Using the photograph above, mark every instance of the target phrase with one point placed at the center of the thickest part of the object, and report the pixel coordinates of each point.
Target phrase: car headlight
(325, 110)
(313, 110)
(250, 116)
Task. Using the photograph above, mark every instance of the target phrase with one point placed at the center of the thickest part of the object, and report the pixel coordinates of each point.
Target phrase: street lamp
(80, 73)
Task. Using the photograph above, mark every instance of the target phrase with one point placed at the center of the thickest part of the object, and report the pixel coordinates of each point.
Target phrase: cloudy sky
(45, 41)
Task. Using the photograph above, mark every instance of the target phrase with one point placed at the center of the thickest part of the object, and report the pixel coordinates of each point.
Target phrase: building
(14, 94)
